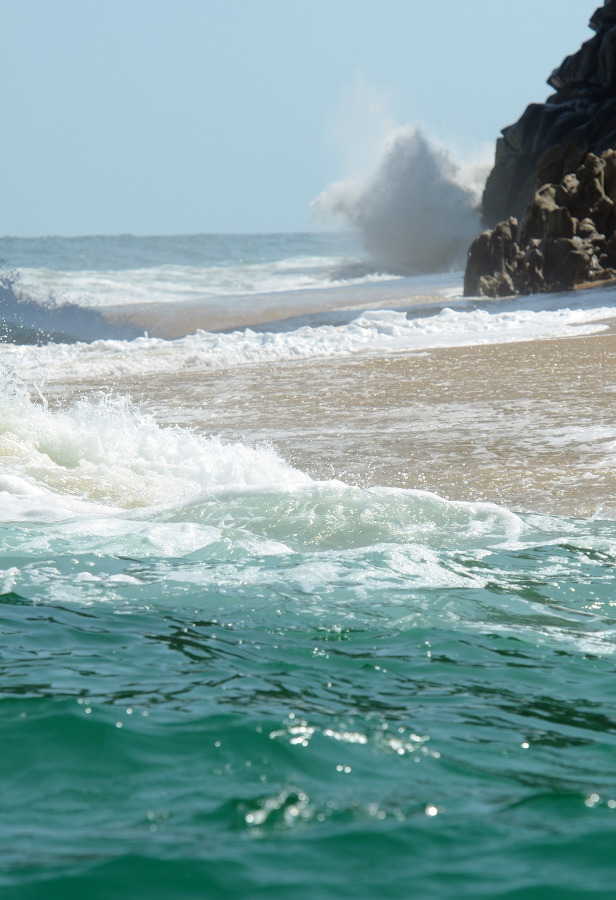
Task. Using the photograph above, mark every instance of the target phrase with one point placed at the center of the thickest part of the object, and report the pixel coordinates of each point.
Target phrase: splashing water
(418, 210)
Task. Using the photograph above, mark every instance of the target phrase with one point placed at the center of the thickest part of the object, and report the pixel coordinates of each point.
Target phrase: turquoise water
(189, 732)
(221, 678)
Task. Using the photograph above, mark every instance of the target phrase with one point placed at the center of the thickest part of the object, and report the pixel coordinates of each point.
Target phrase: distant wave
(417, 211)
(25, 321)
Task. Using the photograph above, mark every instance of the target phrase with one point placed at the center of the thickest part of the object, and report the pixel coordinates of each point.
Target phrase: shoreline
(337, 306)
(171, 322)
(529, 425)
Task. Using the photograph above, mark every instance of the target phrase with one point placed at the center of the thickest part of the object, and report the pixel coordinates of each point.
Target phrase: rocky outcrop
(552, 138)
(567, 237)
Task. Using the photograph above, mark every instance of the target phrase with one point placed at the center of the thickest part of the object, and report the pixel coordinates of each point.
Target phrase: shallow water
(320, 625)
(529, 425)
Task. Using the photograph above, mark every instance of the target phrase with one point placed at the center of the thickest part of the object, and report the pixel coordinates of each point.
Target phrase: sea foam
(110, 507)
(127, 504)
(106, 452)
(372, 331)
(109, 452)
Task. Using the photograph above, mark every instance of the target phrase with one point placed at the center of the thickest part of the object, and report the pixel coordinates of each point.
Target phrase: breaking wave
(24, 321)
(417, 211)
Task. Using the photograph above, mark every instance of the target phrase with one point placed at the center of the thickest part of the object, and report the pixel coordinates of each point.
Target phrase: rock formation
(567, 237)
(550, 138)
(557, 167)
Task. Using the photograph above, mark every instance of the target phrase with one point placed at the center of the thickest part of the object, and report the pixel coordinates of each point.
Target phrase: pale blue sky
(179, 116)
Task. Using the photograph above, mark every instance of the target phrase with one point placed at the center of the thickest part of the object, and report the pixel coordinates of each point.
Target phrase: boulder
(492, 261)
(567, 236)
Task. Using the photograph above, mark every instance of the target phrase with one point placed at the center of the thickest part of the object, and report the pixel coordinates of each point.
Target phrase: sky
(187, 116)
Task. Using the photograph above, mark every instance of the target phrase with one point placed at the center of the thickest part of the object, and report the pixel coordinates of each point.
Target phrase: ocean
(307, 577)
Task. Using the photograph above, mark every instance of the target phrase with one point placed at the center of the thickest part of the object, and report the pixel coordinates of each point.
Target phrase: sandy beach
(530, 425)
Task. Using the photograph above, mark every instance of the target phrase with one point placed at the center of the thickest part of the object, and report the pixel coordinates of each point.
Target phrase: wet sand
(530, 425)
(284, 310)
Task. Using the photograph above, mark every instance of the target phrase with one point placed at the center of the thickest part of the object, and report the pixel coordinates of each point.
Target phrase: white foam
(107, 506)
(109, 464)
(176, 284)
(110, 453)
(373, 331)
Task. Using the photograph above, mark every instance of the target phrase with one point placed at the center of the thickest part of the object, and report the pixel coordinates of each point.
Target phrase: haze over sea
(307, 578)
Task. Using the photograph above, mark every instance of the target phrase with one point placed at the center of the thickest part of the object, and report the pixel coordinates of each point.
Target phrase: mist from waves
(418, 211)
(414, 202)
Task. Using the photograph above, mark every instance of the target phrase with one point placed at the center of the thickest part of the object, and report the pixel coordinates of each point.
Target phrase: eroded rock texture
(567, 237)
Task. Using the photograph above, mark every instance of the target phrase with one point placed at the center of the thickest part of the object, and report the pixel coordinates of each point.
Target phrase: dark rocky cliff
(546, 142)
(556, 169)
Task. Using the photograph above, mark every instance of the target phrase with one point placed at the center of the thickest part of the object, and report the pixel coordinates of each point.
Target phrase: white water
(286, 403)
(372, 331)
(107, 505)
(184, 284)
(99, 504)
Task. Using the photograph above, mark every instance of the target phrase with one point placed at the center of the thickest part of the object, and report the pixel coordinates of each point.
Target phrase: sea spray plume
(418, 211)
